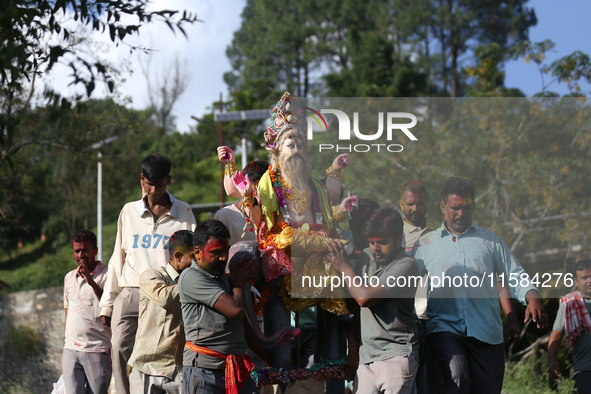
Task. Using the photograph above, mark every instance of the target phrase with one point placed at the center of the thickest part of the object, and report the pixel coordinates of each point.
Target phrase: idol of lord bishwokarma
(291, 211)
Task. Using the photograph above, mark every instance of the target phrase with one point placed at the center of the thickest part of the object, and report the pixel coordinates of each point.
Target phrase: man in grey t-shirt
(212, 305)
(388, 357)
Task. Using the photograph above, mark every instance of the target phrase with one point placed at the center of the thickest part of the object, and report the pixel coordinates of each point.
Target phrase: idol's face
(292, 146)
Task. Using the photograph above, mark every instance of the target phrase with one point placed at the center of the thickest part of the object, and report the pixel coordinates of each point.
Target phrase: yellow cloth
(269, 202)
(309, 257)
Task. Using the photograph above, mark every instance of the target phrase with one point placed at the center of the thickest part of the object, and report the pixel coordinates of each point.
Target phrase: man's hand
(85, 274)
(341, 161)
(513, 328)
(243, 272)
(352, 362)
(535, 310)
(337, 255)
(225, 154)
(106, 320)
(553, 368)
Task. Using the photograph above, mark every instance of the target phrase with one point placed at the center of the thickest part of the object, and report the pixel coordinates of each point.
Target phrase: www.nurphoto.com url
(544, 280)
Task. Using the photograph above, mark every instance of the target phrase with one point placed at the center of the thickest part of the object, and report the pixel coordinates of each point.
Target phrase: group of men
(171, 303)
(164, 307)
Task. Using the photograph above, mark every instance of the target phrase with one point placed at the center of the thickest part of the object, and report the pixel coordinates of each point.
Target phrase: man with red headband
(388, 357)
(212, 303)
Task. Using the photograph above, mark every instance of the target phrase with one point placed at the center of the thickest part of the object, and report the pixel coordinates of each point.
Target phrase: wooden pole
(222, 191)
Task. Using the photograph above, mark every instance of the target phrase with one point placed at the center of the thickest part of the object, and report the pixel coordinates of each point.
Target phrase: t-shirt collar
(172, 272)
(445, 232)
(97, 269)
(174, 209)
(197, 267)
(411, 226)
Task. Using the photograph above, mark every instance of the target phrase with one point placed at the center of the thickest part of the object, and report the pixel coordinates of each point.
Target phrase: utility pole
(99, 196)
(234, 116)
(222, 191)
(99, 206)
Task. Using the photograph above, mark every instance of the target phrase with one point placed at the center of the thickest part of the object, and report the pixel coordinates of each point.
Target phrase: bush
(524, 377)
(23, 341)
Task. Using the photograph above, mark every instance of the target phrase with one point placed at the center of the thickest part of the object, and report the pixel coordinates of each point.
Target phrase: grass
(524, 377)
(41, 265)
(36, 266)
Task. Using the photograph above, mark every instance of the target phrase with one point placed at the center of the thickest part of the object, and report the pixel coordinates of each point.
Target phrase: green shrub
(523, 377)
(23, 341)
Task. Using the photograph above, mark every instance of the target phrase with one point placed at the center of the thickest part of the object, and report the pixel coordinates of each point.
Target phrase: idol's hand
(341, 161)
(349, 203)
(243, 272)
(225, 154)
(242, 183)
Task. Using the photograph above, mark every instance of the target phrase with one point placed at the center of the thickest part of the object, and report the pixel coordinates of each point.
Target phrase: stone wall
(31, 340)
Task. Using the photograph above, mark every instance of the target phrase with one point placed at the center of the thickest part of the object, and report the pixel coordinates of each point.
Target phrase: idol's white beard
(296, 170)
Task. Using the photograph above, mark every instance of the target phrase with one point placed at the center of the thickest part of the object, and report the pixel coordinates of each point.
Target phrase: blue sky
(565, 22)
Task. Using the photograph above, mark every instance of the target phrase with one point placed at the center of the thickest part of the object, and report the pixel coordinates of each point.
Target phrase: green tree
(53, 186)
(571, 69)
(273, 50)
(457, 25)
(489, 79)
(26, 26)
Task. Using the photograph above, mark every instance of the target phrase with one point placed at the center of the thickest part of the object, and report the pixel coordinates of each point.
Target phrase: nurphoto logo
(344, 125)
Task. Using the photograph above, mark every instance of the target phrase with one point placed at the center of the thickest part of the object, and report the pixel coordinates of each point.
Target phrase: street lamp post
(99, 206)
(99, 196)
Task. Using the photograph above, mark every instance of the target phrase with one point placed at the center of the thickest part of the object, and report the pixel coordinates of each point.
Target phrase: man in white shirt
(143, 230)
(86, 360)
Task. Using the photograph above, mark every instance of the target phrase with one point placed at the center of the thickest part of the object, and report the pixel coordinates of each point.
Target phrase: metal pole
(99, 208)
(222, 191)
(244, 154)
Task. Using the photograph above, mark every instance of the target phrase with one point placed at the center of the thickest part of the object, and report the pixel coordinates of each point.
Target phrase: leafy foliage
(524, 377)
(374, 48)
(570, 69)
(34, 37)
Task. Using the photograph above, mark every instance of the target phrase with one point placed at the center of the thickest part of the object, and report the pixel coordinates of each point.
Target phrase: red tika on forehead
(376, 239)
(412, 183)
